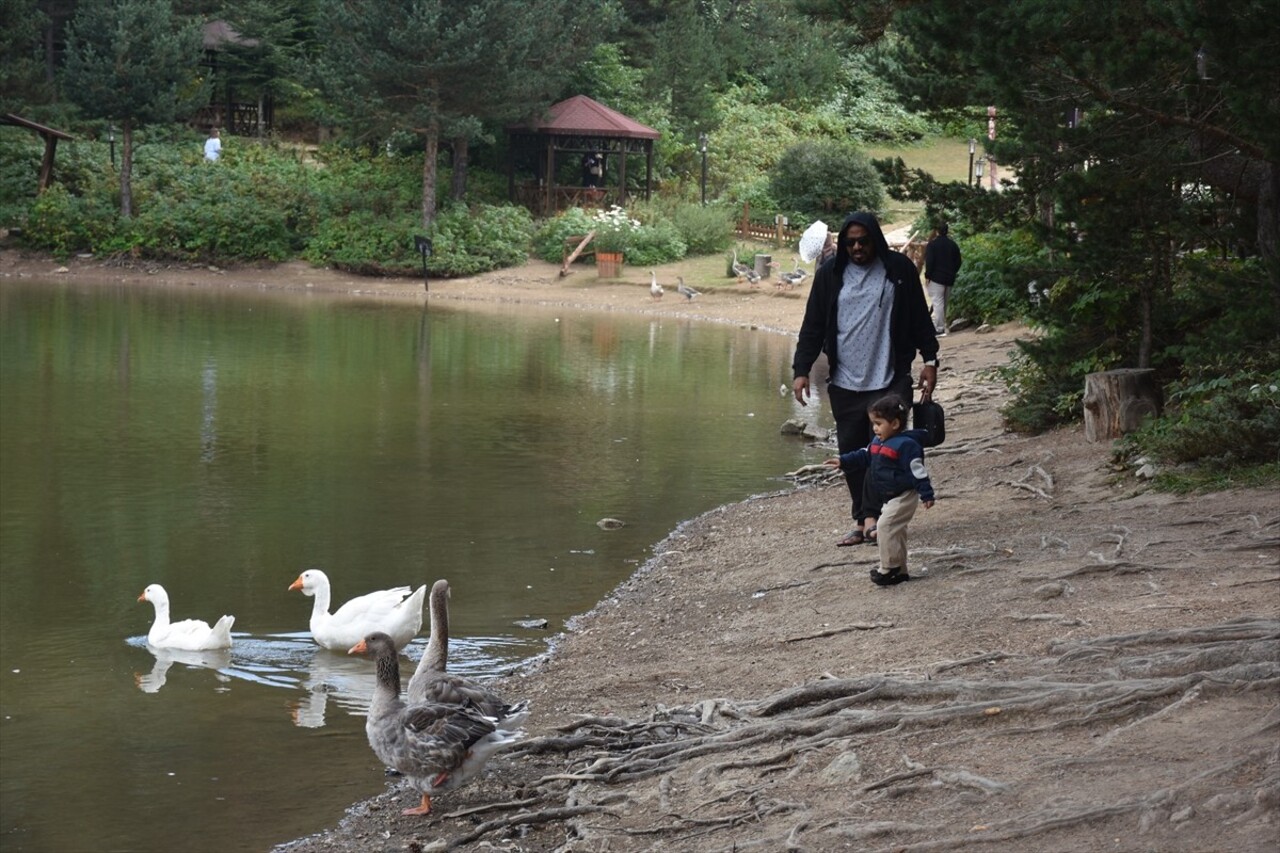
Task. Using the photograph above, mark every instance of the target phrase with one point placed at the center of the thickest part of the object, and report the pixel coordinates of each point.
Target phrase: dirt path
(1077, 665)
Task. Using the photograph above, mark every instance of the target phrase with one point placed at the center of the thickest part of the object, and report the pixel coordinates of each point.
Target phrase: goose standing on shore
(655, 289)
(193, 635)
(391, 611)
(438, 747)
(432, 683)
(686, 291)
(797, 274)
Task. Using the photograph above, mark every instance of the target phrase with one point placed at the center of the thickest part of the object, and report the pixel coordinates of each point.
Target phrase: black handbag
(930, 418)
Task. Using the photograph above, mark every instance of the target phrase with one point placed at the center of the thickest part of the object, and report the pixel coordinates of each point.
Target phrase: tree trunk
(1117, 401)
(126, 170)
(458, 186)
(431, 147)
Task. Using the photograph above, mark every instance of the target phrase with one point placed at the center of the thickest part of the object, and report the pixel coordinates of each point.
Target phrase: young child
(897, 477)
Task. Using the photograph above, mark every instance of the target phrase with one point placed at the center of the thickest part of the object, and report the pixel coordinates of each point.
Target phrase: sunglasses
(858, 241)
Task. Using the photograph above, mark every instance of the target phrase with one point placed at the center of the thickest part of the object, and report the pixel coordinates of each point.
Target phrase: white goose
(740, 269)
(431, 683)
(189, 634)
(387, 610)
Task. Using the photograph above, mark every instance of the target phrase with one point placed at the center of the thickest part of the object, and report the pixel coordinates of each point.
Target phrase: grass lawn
(945, 158)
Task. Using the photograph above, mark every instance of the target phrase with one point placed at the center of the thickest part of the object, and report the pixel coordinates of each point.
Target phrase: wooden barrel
(608, 264)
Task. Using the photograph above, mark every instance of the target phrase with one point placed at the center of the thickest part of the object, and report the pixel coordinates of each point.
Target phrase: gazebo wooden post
(648, 167)
(549, 179)
(622, 175)
(511, 173)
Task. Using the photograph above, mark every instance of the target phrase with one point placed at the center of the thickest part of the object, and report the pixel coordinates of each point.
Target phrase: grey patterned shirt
(865, 306)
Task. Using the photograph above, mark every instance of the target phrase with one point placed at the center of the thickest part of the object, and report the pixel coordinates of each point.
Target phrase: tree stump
(1117, 401)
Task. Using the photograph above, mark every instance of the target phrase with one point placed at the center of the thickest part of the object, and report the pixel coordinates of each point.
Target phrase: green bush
(465, 241)
(824, 180)
(704, 230)
(655, 243)
(1229, 421)
(64, 224)
(549, 237)
(654, 240)
(476, 239)
(366, 243)
(1001, 278)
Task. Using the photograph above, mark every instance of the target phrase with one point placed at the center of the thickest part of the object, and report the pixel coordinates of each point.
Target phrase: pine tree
(133, 62)
(435, 67)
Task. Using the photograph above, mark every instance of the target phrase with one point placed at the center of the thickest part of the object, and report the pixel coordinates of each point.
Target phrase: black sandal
(853, 537)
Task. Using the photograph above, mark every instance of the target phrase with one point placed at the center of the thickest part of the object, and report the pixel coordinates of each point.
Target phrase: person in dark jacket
(941, 264)
(897, 479)
(867, 312)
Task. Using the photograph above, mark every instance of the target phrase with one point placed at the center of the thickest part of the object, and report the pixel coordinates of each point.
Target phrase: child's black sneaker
(895, 575)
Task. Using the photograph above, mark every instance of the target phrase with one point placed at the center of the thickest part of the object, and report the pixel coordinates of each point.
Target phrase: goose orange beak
(358, 649)
(296, 584)
(143, 596)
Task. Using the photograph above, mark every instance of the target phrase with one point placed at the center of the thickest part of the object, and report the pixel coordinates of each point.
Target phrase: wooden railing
(776, 231)
(534, 197)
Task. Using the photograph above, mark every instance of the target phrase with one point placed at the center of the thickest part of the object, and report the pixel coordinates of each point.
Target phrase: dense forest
(1137, 222)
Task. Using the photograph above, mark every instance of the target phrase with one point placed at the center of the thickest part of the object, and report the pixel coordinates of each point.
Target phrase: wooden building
(544, 160)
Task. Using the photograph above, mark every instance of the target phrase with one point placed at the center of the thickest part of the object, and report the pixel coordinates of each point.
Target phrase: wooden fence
(775, 231)
(781, 235)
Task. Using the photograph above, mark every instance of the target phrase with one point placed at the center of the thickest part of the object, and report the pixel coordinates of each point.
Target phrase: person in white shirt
(213, 146)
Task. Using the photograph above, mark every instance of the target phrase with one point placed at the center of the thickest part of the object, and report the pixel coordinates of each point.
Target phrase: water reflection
(151, 682)
(329, 681)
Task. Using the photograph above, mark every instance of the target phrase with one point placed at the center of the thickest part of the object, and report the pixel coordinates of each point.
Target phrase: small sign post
(424, 247)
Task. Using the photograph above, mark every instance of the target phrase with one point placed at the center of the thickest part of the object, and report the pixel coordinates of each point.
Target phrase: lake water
(219, 442)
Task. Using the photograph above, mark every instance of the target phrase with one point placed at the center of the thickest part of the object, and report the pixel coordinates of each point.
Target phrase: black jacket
(910, 325)
(942, 260)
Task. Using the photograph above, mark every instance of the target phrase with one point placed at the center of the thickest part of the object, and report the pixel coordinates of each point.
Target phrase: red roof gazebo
(577, 126)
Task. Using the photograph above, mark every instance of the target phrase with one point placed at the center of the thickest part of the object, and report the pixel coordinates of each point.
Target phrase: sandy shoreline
(536, 284)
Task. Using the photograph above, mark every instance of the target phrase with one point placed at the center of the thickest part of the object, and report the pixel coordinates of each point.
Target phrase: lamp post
(978, 167)
(111, 141)
(702, 148)
(973, 146)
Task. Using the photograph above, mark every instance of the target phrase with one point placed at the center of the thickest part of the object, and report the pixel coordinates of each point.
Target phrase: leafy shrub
(874, 110)
(645, 241)
(549, 237)
(470, 240)
(1245, 405)
(755, 130)
(655, 243)
(63, 224)
(704, 230)
(465, 241)
(824, 179)
(1001, 277)
(366, 243)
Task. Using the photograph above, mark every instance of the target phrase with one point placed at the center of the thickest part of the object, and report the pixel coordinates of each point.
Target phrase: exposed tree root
(1116, 687)
(857, 626)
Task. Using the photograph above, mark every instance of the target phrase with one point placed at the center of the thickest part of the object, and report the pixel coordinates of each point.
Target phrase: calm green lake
(219, 442)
